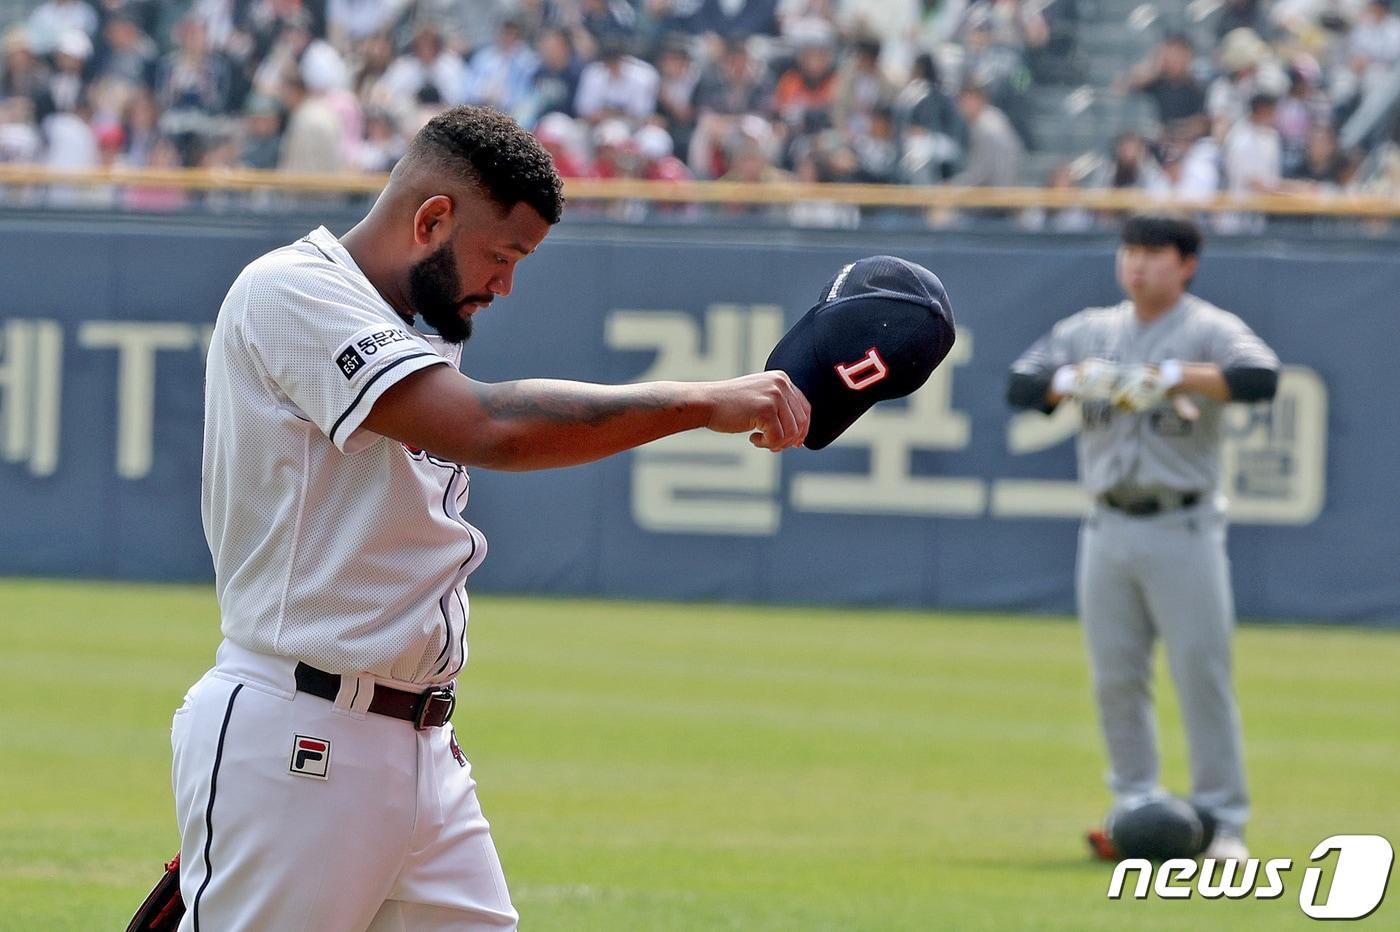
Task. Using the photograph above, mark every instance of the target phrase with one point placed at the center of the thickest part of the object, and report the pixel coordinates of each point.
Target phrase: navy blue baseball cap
(878, 331)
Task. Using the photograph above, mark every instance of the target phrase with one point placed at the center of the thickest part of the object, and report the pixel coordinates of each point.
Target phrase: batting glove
(1090, 380)
(1145, 387)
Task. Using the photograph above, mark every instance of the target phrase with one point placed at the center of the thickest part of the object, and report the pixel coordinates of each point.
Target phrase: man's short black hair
(489, 150)
(1261, 100)
(613, 46)
(1163, 230)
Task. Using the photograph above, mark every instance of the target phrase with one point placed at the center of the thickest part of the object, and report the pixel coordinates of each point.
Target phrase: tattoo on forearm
(566, 403)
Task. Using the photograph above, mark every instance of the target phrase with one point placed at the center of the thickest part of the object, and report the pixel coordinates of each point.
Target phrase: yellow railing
(581, 189)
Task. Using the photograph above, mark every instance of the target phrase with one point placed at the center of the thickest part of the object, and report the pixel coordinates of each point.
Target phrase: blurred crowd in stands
(1253, 96)
(1309, 109)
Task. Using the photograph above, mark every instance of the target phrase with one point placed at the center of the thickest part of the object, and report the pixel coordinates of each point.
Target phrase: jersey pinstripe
(331, 544)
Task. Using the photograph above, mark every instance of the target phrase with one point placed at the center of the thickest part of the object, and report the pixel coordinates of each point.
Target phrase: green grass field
(661, 767)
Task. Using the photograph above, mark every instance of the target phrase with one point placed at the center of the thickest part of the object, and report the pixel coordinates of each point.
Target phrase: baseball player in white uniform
(1152, 375)
(318, 782)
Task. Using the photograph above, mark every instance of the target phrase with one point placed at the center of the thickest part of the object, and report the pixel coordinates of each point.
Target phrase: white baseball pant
(298, 813)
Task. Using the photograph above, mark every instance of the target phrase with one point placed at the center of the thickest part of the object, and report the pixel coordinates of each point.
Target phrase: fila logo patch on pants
(311, 757)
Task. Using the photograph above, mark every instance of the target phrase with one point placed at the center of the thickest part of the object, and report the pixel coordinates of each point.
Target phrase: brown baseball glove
(164, 906)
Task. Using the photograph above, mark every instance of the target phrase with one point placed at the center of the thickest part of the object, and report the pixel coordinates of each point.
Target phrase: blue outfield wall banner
(946, 499)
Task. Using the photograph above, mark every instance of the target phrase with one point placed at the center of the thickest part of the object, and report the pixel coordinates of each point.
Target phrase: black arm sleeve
(1251, 383)
(1024, 390)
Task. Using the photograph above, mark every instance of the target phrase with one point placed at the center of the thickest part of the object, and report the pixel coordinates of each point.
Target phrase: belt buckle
(430, 699)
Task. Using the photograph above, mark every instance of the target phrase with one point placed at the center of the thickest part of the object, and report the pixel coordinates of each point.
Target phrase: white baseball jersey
(331, 544)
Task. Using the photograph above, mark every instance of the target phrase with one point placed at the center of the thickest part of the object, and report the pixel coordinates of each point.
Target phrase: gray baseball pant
(1167, 575)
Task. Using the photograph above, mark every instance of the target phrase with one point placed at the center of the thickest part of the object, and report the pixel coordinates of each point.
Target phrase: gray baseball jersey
(1153, 449)
(1165, 575)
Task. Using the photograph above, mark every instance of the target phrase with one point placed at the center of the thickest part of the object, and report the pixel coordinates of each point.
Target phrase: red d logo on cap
(865, 373)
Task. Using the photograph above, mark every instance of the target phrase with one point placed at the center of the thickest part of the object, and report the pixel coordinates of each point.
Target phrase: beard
(434, 290)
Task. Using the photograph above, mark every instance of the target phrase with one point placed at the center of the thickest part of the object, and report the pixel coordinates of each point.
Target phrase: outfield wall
(948, 500)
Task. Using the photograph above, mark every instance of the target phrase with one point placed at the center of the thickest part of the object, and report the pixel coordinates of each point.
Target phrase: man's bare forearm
(547, 423)
(543, 423)
(581, 403)
(1204, 379)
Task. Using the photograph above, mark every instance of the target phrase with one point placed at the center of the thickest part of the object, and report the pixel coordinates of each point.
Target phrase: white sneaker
(1227, 848)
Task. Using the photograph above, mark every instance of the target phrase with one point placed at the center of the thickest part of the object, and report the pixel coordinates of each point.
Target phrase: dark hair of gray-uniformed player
(481, 149)
(1158, 230)
(1179, 232)
(878, 330)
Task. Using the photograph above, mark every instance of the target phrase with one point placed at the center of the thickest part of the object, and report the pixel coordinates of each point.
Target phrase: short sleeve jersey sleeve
(1064, 345)
(326, 342)
(1233, 345)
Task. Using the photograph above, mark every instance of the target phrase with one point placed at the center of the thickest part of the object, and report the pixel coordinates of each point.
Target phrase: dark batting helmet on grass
(1161, 829)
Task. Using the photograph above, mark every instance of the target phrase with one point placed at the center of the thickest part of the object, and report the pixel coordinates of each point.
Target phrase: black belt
(429, 709)
(1143, 506)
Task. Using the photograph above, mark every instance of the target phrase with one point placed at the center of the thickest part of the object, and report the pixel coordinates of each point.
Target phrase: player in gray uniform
(1153, 375)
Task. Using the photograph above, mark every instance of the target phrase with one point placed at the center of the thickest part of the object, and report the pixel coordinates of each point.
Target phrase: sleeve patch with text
(369, 344)
(350, 362)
